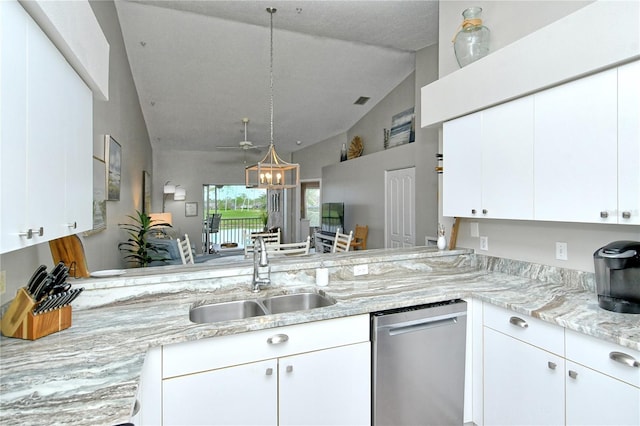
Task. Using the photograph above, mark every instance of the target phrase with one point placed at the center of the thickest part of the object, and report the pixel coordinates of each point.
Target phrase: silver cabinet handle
(517, 321)
(625, 359)
(485, 211)
(73, 225)
(269, 371)
(626, 215)
(552, 365)
(473, 211)
(604, 215)
(289, 368)
(28, 233)
(277, 339)
(573, 374)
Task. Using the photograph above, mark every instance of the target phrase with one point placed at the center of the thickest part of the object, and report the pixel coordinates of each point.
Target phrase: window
(311, 202)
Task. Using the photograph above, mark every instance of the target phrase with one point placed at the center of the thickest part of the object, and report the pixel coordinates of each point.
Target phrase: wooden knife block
(20, 322)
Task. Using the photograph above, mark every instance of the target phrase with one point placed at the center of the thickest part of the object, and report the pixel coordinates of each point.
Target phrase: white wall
(525, 240)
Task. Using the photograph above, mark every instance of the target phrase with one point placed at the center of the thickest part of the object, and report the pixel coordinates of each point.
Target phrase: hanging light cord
(271, 11)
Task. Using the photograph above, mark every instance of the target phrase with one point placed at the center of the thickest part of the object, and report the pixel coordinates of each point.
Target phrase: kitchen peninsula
(88, 374)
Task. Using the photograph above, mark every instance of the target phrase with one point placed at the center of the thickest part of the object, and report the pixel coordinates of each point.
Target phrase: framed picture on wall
(99, 211)
(113, 157)
(146, 192)
(190, 209)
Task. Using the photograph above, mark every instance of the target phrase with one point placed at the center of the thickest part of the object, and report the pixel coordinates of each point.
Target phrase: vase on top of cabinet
(472, 41)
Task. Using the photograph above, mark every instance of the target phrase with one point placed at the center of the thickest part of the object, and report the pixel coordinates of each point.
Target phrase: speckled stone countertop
(88, 374)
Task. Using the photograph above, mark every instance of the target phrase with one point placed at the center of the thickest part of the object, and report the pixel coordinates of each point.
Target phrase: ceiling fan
(244, 145)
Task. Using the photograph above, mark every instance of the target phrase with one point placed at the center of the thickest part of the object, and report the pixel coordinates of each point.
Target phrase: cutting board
(70, 251)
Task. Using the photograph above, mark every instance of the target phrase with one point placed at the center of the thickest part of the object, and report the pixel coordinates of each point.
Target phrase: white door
(400, 190)
(328, 387)
(241, 395)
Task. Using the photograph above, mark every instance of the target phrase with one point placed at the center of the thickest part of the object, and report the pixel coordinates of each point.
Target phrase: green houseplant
(140, 250)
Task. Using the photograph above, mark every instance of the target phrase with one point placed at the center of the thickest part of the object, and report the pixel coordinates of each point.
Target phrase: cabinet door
(239, 395)
(462, 171)
(507, 160)
(328, 387)
(575, 172)
(523, 384)
(596, 399)
(629, 144)
(13, 125)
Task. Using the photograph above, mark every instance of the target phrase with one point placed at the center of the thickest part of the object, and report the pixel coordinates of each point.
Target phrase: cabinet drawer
(528, 329)
(224, 351)
(595, 353)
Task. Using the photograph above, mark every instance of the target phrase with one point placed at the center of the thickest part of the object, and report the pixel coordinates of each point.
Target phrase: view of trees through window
(242, 211)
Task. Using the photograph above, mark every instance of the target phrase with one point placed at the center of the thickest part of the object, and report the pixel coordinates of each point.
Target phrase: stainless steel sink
(242, 309)
(297, 302)
(226, 311)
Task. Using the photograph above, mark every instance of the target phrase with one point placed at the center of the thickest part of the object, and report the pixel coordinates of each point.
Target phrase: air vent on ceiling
(361, 100)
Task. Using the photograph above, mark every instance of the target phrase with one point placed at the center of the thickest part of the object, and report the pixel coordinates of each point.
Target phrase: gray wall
(359, 183)
(122, 118)
(525, 240)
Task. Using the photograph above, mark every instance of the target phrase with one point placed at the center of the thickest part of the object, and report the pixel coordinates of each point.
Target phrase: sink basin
(226, 311)
(296, 302)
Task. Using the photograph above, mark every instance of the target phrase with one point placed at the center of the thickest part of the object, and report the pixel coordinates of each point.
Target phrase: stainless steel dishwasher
(418, 364)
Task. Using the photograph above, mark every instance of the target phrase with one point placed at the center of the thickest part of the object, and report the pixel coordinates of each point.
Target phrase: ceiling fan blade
(228, 147)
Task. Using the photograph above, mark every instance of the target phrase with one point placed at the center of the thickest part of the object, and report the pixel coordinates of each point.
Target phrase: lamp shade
(169, 189)
(157, 218)
(180, 194)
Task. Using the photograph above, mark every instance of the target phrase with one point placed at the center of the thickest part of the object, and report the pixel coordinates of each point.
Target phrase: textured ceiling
(201, 66)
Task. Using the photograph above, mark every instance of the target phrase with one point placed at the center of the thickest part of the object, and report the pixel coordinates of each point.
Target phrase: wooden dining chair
(184, 247)
(342, 242)
(359, 241)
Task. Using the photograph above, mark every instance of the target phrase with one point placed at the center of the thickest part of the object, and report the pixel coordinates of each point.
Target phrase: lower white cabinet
(314, 373)
(532, 380)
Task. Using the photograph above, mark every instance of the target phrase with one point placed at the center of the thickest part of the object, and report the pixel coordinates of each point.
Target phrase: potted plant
(265, 219)
(141, 251)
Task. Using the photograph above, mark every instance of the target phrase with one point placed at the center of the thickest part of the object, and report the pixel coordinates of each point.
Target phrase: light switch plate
(561, 251)
(484, 243)
(474, 229)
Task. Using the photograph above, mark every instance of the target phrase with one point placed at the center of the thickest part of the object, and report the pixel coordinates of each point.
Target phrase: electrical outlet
(484, 243)
(360, 270)
(3, 282)
(474, 229)
(561, 251)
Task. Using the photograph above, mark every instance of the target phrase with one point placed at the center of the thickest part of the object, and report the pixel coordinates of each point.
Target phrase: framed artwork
(146, 192)
(190, 209)
(99, 197)
(113, 157)
(402, 129)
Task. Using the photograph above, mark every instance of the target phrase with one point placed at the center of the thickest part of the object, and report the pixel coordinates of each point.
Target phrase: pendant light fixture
(272, 172)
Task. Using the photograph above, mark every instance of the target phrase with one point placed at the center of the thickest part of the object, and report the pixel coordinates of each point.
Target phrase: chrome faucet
(260, 263)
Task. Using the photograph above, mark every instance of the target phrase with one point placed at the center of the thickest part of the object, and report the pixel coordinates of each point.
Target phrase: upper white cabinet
(566, 154)
(576, 151)
(45, 137)
(488, 163)
(629, 144)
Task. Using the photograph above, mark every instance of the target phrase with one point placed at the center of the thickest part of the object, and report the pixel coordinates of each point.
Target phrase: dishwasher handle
(424, 324)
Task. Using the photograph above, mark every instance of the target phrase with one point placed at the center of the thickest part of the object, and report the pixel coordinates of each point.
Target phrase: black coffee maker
(618, 276)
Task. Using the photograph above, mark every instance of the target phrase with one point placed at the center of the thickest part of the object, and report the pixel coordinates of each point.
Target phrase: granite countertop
(88, 373)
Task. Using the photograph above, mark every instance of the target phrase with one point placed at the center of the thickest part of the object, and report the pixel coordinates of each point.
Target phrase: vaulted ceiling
(200, 67)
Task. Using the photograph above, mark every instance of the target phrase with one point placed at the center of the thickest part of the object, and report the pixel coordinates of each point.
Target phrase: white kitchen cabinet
(629, 144)
(239, 395)
(602, 383)
(576, 151)
(46, 139)
(313, 373)
(539, 373)
(523, 383)
(488, 163)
